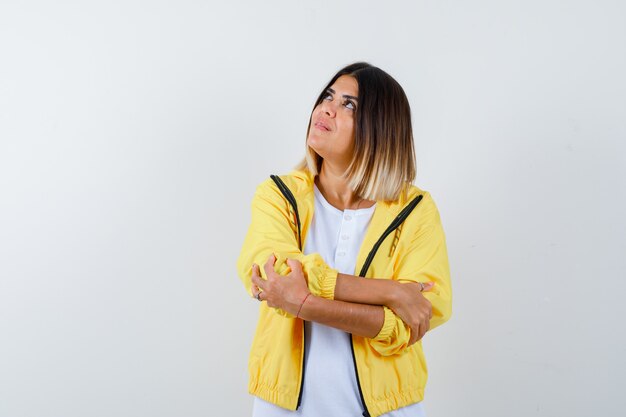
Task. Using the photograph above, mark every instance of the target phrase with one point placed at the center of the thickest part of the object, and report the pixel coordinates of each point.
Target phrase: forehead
(346, 85)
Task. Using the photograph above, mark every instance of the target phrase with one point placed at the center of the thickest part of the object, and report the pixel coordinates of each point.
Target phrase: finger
(255, 290)
(258, 293)
(423, 329)
(295, 265)
(257, 270)
(269, 265)
(256, 280)
(430, 308)
(414, 334)
(428, 286)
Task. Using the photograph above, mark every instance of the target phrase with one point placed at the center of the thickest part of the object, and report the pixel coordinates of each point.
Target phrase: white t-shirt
(330, 388)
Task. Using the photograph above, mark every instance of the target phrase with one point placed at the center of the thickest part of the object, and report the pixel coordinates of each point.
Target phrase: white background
(133, 134)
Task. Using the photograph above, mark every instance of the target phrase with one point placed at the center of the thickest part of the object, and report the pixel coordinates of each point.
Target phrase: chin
(314, 143)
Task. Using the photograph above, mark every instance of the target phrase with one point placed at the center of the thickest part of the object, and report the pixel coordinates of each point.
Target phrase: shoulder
(299, 183)
(426, 211)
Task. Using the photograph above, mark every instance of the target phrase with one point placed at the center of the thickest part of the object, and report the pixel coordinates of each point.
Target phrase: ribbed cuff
(388, 325)
(322, 281)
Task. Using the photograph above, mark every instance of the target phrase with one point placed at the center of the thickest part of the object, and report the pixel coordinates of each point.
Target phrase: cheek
(348, 134)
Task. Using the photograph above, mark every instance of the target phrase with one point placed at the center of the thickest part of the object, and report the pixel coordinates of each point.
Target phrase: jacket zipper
(393, 226)
(366, 413)
(302, 367)
(292, 201)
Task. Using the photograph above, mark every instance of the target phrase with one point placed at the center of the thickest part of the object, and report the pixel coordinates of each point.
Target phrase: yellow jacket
(390, 373)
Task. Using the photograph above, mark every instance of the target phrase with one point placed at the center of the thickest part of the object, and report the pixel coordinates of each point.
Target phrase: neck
(335, 189)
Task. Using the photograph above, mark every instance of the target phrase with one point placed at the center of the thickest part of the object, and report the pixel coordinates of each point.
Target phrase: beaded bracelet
(301, 304)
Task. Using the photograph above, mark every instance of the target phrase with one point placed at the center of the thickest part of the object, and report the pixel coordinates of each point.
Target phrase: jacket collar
(303, 186)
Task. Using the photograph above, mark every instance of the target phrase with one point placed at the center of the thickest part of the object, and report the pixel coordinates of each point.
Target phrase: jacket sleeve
(271, 230)
(424, 259)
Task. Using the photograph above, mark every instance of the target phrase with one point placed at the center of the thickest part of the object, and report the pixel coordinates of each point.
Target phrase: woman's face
(331, 134)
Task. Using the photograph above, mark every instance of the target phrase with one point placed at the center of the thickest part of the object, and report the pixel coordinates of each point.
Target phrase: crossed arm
(358, 303)
(391, 313)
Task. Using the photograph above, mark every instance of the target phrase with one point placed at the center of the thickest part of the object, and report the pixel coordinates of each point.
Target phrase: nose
(328, 108)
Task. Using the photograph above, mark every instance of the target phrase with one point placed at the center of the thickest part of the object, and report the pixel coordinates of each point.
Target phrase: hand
(284, 292)
(413, 308)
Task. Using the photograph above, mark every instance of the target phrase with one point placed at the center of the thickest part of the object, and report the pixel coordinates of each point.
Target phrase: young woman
(349, 261)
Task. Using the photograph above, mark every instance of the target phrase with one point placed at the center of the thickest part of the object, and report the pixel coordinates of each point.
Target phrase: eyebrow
(345, 95)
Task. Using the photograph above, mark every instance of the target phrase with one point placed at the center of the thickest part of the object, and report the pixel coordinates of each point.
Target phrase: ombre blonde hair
(383, 164)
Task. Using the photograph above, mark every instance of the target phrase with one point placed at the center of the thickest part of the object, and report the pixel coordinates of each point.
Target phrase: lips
(322, 126)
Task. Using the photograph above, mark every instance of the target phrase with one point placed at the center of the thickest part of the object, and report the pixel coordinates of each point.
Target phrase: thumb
(428, 286)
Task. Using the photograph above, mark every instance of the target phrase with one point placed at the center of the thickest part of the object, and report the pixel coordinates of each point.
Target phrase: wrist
(391, 293)
(308, 307)
(306, 297)
(295, 303)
